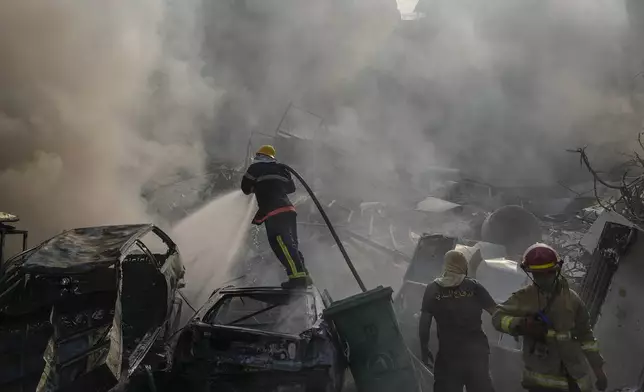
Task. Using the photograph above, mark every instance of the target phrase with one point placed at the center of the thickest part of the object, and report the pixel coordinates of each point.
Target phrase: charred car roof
(82, 250)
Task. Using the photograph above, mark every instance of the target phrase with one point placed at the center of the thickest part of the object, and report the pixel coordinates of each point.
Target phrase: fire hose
(329, 225)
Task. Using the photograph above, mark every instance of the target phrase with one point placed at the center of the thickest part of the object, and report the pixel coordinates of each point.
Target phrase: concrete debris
(593, 235)
(400, 243)
(435, 205)
(590, 214)
(5, 217)
(393, 252)
(612, 290)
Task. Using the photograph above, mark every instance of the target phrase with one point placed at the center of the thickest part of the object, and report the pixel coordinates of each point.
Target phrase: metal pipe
(329, 225)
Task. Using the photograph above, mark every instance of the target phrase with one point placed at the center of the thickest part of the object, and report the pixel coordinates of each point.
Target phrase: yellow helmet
(267, 150)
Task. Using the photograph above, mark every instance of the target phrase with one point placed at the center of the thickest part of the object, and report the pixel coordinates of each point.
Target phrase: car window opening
(271, 313)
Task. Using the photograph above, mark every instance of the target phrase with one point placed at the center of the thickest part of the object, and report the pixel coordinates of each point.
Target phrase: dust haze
(471, 85)
(498, 90)
(97, 99)
(101, 100)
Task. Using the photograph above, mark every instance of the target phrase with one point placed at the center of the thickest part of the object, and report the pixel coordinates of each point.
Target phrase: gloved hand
(602, 381)
(532, 327)
(428, 359)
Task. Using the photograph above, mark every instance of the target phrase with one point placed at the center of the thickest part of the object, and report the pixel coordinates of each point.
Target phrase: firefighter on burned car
(271, 183)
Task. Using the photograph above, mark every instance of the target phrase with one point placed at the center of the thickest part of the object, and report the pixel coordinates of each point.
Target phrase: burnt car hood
(239, 349)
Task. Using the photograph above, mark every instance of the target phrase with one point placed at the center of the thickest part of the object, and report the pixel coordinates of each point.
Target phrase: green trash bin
(378, 358)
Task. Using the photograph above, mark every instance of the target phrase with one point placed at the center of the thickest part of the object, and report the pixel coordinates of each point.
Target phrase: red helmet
(540, 258)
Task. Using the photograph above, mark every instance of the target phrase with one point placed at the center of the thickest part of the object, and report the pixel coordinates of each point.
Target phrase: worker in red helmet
(558, 341)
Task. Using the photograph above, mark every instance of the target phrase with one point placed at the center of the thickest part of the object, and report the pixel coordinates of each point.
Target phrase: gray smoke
(502, 88)
(97, 99)
(499, 89)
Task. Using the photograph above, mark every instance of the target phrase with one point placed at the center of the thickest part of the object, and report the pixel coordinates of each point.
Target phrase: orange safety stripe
(275, 212)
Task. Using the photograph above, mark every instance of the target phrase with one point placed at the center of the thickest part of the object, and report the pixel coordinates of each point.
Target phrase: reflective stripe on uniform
(590, 346)
(249, 177)
(558, 335)
(272, 177)
(294, 272)
(506, 321)
(545, 380)
(554, 382)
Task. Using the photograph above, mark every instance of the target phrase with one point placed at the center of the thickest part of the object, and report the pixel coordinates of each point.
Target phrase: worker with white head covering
(454, 269)
(457, 303)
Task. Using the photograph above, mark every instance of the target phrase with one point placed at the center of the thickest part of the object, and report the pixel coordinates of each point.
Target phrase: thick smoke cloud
(101, 100)
(499, 89)
(504, 87)
(97, 99)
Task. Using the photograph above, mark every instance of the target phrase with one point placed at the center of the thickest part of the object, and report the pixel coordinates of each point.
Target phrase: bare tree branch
(584, 159)
(630, 203)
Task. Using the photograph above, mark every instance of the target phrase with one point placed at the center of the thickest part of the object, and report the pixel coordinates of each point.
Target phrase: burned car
(89, 309)
(259, 339)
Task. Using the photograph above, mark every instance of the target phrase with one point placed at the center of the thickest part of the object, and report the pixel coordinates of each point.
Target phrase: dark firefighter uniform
(457, 302)
(271, 183)
(558, 344)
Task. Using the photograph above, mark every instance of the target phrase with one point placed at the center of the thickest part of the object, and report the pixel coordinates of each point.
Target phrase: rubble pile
(384, 233)
(381, 236)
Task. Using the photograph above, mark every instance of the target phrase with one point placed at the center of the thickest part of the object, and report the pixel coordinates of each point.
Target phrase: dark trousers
(454, 370)
(281, 230)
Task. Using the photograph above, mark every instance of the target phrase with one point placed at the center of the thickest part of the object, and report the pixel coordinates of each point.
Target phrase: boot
(297, 283)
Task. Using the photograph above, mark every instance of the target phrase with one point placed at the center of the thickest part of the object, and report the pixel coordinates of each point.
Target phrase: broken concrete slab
(612, 292)
(436, 205)
(592, 236)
